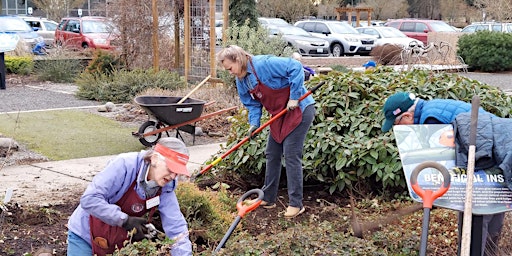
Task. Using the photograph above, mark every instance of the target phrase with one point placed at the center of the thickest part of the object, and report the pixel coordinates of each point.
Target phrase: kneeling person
(132, 186)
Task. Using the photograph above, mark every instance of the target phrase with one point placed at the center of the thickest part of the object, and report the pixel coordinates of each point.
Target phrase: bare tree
(57, 9)
(452, 10)
(499, 10)
(424, 9)
(291, 11)
(133, 19)
(327, 9)
(387, 9)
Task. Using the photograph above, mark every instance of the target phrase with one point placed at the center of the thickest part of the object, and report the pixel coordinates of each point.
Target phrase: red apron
(274, 101)
(106, 238)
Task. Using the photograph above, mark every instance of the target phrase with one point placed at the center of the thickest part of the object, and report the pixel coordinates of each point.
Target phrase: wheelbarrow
(166, 113)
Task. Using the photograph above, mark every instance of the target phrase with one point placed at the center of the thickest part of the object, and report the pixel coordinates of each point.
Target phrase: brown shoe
(263, 203)
(267, 205)
(292, 212)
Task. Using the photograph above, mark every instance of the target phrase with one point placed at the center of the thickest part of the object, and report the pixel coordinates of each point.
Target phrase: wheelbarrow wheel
(147, 127)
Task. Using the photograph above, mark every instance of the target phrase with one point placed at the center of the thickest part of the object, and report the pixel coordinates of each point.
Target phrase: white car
(43, 27)
(389, 35)
(343, 38)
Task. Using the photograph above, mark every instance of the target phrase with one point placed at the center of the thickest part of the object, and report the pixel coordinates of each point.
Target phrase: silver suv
(489, 26)
(343, 39)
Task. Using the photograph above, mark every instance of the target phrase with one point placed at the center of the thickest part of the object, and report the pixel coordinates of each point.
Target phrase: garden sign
(420, 143)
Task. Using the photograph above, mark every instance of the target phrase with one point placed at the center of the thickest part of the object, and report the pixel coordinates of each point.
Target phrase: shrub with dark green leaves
(21, 65)
(345, 145)
(121, 86)
(487, 51)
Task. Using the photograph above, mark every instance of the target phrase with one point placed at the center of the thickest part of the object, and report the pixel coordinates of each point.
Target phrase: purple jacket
(108, 186)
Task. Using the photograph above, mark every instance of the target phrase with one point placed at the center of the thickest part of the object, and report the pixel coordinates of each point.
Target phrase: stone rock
(102, 109)
(5, 143)
(199, 131)
(109, 106)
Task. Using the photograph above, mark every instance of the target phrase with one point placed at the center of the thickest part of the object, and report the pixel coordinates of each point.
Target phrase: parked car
(14, 24)
(343, 39)
(419, 29)
(389, 35)
(305, 43)
(272, 21)
(86, 32)
(218, 30)
(43, 27)
(488, 26)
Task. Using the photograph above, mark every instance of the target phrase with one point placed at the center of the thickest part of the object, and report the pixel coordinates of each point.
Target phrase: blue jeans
(291, 147)
(78, 246)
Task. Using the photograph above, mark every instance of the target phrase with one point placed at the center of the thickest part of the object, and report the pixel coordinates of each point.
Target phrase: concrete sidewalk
(53, 182)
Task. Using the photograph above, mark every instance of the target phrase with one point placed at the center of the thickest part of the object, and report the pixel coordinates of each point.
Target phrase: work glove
(292, 104)
(137, 223)
(251, 130)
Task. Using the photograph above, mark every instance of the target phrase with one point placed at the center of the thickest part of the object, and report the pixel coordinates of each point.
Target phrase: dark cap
(396, 105)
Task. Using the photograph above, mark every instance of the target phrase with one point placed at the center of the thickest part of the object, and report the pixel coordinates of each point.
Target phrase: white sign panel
(8, 41)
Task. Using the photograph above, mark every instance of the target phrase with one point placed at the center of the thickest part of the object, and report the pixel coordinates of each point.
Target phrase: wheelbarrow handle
(244, 140)
(430, 196)
(242, 210)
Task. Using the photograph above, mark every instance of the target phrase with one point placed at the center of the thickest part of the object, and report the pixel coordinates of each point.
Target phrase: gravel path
(40, 96)
(501, 80)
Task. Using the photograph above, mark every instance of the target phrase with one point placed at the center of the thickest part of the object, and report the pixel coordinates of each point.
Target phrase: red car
(418, 29)
(86, 32)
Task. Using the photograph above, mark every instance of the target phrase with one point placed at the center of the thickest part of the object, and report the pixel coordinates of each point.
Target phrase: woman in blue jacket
(122, 200)
(275, 83)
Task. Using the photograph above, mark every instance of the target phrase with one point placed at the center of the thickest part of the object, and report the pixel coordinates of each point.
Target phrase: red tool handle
(430, 196)
(242, 208)
(278, 115)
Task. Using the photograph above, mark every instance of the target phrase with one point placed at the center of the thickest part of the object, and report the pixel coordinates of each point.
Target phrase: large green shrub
(121, 86)
(486, 50)
(345, 145)
(21, 65)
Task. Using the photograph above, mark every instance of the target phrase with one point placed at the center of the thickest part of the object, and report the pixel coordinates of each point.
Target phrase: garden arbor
(350, 10)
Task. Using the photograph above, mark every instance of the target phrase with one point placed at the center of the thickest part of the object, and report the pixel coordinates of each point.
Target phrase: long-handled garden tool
(468, 204)
(428, 196)
(242, 210)
(277, 116)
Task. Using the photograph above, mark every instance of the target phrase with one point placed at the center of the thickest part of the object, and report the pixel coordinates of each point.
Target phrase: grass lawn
(69, 134)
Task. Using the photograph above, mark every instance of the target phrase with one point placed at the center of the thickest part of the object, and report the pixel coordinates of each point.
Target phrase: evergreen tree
(242, 10)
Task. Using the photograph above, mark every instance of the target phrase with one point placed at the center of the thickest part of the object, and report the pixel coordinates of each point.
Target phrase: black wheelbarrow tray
(165, 113)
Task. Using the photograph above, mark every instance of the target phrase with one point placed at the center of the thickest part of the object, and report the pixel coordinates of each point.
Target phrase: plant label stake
(277, 116)
(428, 196)
(468, 204)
